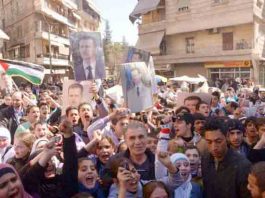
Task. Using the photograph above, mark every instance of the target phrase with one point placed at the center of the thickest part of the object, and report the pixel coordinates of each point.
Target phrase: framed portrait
(88, 55)
(137, 86)
(75, 92)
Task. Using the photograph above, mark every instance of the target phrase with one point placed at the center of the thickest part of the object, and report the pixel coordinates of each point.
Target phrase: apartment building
(3, 36)
(39, 30)
(215, 38)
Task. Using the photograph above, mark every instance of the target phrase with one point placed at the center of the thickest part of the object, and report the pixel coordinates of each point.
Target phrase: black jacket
(257, 155)
(60, 186)
(230, 178)
(9, 120)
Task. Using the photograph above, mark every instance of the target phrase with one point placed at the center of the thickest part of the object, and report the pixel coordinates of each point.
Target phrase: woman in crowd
(179, 175)
(10, 183)
(155, 189)
(6, 149)
(22, 145)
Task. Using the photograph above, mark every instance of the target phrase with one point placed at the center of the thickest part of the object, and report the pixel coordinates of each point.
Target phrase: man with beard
(224, 171)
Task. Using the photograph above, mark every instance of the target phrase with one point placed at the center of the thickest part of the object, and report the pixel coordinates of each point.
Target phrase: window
(190, 45)
(230, 73)
(25, 51)
(183, 5)
(228, 41)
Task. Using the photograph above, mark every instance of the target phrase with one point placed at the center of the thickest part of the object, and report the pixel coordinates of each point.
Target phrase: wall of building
(207, 44)
(192, 69)
(205, 14)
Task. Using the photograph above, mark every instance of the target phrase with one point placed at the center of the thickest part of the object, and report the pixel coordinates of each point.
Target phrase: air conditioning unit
(214, 31)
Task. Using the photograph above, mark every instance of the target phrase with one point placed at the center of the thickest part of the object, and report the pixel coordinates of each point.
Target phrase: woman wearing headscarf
(10, 183)
(175, 172)
(179, 176)
(6, 149)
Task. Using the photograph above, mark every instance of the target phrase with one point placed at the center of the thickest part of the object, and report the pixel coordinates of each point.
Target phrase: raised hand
(66, 128)
(97, 135)
(123, 176)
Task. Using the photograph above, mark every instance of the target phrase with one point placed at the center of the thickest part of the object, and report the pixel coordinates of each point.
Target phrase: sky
(117, 13)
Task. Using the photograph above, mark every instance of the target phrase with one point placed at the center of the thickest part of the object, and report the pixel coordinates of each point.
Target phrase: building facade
(39, 30)
(220, 39)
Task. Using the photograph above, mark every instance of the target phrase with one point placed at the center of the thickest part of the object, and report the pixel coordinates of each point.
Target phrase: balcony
(70, 4)
(57, 60)
(43, 8)
(242, 54)
(54, 38)
(152, 27)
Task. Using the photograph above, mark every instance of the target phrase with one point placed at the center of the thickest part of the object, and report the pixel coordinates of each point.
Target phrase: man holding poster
(88, 56)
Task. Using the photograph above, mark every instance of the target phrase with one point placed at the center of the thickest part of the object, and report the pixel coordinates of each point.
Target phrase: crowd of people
(99, 149)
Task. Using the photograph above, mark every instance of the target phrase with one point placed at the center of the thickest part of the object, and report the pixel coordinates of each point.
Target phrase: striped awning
(3, 35)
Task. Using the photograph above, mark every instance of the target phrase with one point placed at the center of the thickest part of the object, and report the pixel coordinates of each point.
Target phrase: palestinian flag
(30, 72)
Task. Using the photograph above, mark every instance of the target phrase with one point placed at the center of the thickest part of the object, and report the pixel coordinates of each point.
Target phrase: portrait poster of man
(183, 95)
(137, 86)
(88, 56)
(138, 55)
(75, 93)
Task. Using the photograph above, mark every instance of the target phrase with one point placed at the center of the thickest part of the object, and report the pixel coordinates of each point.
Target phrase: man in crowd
(10, 116)
(184, 126)
(235, 137)
(203, 108)
(142, 158)
(7, 102)
(224, 171)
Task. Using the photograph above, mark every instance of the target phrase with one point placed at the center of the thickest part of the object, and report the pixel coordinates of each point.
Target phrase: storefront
(229, 70)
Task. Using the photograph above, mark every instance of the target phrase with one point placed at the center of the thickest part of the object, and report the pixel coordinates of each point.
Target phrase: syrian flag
(30, 72)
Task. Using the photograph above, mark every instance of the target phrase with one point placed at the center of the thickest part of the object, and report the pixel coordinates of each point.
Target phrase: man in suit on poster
(139, 94)
(90, 64)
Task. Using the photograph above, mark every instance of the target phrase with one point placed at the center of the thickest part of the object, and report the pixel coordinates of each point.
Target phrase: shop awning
(3, 35)
(143, 7)
(183, 4)
(150, 42)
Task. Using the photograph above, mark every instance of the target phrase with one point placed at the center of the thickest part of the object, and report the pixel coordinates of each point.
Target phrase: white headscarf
(4, 133)
(184, 186)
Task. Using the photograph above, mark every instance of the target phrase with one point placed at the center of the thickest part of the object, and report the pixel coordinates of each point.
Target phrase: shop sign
(246, 63)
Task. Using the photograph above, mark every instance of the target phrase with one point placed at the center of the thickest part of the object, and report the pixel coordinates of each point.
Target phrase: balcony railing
(55, 56)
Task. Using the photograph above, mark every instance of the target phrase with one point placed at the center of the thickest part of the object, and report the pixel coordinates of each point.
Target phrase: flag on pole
(30, 72)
